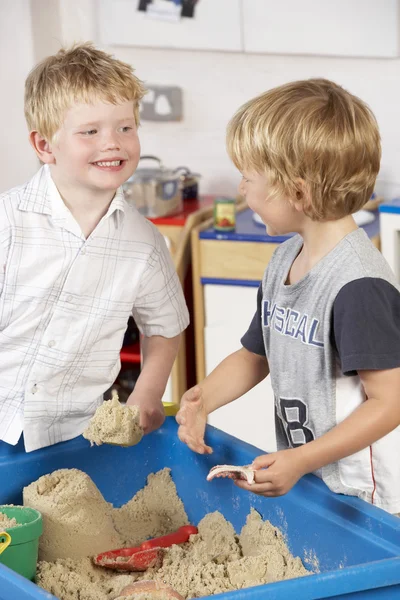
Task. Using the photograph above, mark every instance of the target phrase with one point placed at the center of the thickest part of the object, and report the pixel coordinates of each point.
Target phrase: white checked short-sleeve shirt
(64, 305)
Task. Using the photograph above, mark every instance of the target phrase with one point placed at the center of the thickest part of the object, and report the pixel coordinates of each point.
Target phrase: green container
(22, 553)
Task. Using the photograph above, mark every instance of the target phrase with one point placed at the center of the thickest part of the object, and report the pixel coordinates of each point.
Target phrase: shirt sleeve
(253, 338)
(160, 307)
(366, 325)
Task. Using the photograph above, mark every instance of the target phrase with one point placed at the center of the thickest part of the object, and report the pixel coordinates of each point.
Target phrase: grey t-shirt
(341, 317)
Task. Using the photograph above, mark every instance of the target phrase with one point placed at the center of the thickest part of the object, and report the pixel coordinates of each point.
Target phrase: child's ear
(302, 198)
(42, 147)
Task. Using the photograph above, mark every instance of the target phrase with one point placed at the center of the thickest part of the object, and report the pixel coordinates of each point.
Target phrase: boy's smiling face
(97, 147)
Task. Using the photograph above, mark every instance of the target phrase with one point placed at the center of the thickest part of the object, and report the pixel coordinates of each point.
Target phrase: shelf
(189, 207)
(131, 354)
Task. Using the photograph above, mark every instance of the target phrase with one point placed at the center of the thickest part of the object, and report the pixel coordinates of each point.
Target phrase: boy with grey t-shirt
(327, 325)
(343, 316)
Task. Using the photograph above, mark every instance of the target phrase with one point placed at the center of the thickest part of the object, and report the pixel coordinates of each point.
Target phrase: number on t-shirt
(295, 418)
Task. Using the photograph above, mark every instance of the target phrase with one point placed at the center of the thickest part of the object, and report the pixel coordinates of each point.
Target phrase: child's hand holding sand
(151, 411)
(116, 424)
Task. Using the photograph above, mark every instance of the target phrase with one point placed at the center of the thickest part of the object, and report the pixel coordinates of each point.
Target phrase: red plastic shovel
(149, 554)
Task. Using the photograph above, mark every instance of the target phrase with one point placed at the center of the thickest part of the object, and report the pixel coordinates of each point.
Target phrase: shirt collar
(117, 206)
(36, 197)
(42, 196)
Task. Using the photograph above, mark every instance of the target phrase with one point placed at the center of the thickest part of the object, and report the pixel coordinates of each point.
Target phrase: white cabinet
(228, 313)
(216, 26)
(368, 28)
(363, 28)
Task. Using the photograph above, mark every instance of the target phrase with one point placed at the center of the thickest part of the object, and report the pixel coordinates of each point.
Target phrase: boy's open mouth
(109, 165)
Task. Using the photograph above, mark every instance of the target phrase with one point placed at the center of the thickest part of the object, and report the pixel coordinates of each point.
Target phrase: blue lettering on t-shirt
(311, 334)
(292, 317)
(267, 314)
(301, 330)
(279, 322)
(291, 323)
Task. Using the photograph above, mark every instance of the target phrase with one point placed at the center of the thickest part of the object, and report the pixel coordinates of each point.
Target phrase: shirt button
(69, 298)
(34, 389)
(83, 251)
(51, 344)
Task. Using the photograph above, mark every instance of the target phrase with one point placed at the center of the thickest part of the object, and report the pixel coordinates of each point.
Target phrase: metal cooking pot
(155, 190)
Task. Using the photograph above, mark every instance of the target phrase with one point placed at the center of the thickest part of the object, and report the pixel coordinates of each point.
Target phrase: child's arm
(232, 378)
(161, 315)
(371, 421)
(159, 354)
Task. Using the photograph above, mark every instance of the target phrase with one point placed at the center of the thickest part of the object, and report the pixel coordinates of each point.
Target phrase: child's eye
(126, 128)
(245, 180)
(90, 132)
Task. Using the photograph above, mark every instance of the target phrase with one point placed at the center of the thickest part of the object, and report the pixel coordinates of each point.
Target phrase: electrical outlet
(162, 103)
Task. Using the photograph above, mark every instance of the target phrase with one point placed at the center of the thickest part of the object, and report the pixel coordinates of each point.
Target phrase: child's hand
(152, 413)
(275, 473)
(192, 418)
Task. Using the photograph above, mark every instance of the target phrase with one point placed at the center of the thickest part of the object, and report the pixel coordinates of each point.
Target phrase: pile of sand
(213, 561)
(145, 596)
(77, 521)
(201, 568)
(114, 423)
(7, 523)
(155, 510)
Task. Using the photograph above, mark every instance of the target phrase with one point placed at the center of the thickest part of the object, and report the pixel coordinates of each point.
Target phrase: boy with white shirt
(327, 322)
(79, 260)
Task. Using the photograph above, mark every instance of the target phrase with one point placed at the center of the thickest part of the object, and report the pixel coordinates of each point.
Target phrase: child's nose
(111, 142)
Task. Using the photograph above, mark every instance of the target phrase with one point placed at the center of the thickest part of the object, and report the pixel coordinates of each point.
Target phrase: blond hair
(313, 131)
(78, 74)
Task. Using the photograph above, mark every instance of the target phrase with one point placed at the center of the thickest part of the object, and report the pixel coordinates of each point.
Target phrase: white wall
(17, 161)
(214, 85)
